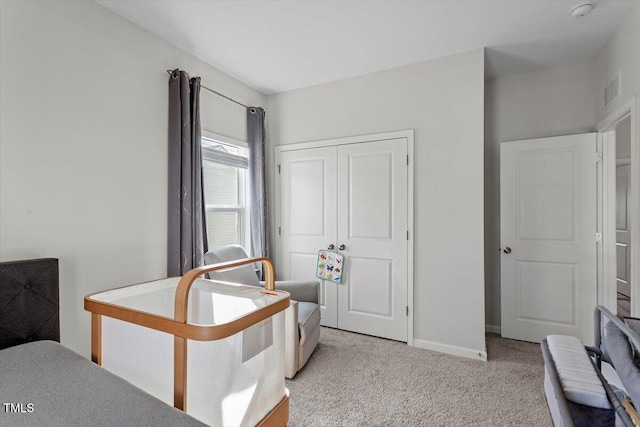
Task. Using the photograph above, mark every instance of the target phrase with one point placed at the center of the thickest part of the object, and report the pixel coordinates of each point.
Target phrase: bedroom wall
(546, 103)
(620, 54)
(553, 102)
(443, 100)
(83, 143)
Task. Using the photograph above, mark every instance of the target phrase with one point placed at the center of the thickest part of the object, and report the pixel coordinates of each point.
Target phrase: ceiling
(277, 46)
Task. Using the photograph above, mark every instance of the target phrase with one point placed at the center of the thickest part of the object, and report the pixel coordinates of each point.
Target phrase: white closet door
(308, 219)
(372, 226)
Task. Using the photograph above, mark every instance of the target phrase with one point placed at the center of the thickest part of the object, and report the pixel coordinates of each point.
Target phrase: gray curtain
(257, 182)
(187, 238)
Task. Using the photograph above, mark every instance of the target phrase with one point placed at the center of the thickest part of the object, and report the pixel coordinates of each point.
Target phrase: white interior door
(308, 219)
(372, 226)
(623, 236)
(548, 235)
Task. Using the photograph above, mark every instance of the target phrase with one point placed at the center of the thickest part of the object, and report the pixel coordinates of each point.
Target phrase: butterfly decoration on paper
(330, 265)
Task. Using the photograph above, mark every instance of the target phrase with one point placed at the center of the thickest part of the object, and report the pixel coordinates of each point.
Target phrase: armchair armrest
(305, 291)
(291, 340)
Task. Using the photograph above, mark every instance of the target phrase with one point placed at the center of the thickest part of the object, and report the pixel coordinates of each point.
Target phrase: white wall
(83, 143)
(620, 54)
(522, 106)
(443, 101)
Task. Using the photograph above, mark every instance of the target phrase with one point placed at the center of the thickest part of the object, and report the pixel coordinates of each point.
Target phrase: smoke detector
(581, 9)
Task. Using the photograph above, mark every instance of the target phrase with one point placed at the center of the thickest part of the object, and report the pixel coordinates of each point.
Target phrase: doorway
(623, 216)
(618, 222)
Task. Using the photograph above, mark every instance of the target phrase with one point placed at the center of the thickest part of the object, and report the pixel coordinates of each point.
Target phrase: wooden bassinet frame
(182, 331)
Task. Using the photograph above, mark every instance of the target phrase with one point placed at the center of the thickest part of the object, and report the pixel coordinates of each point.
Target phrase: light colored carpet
(357, 380)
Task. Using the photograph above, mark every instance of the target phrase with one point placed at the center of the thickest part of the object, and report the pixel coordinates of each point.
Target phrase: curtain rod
(217, 93)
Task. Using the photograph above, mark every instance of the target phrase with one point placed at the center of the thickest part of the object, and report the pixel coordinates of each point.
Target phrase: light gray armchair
(302, 318)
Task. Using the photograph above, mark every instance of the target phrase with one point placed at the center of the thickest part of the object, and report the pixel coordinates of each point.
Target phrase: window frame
(244, 233)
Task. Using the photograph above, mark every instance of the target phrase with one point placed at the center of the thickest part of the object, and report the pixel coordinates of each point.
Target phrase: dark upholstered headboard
(29, 297)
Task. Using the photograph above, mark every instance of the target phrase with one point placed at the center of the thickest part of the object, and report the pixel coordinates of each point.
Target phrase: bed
(44, 383)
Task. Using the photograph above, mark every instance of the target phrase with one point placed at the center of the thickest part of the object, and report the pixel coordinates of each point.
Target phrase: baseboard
(451, 349)
(493, 329)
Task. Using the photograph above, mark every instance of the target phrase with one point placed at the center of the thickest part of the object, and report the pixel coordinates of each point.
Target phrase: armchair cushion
(308, 319)
(307, 348)
(299, 290)
(245, 275)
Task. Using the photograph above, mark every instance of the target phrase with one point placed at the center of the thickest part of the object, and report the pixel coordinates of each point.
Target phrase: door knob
(342, 247)
(507, 250)
(331, 247)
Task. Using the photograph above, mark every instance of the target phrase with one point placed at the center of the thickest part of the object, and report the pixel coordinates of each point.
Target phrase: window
(224, 170)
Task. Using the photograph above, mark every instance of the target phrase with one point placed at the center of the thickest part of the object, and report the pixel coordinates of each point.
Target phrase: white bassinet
(214, 350)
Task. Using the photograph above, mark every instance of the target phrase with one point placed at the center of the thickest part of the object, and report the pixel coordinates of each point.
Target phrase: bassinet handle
(182, 291)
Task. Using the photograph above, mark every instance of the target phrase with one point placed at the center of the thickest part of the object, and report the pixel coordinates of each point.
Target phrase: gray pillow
(621, 355)
(634, 324)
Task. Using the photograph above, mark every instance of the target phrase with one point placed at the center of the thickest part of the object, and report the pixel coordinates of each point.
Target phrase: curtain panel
(187, 231)
(257, 182)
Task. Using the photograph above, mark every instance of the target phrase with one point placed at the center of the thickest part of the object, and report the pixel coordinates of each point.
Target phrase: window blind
(224, 158)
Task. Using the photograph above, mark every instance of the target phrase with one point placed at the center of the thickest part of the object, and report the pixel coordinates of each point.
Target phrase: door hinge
(407, 159)
(278, 169)
(598, 237)
(407, 234)
(598, 157)
(279, 231)
(407, 310)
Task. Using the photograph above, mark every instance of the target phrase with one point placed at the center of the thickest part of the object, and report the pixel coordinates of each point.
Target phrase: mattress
(44, 383)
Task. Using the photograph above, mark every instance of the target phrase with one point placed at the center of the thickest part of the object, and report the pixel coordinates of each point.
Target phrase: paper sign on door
(330, 265)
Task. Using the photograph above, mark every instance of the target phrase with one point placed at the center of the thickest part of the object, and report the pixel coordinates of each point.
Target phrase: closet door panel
(308, 211)
(372, 226)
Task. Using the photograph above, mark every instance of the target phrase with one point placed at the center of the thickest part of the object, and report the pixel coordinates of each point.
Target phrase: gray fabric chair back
(245, 274)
